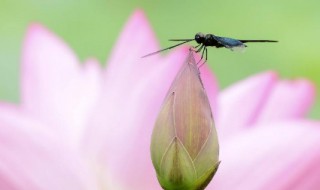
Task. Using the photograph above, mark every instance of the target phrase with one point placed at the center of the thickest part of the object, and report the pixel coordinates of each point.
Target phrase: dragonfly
(206, 40)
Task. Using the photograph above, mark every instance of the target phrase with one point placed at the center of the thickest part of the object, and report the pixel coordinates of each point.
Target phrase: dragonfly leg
(195, 47)
(200, 48)
(206, 54)
(202, 55)
(205, 49)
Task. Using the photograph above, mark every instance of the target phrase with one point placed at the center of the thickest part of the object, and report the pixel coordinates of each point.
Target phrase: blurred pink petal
(283, 155)
(32, 157)
(239, 105)
(136, 40)
(52, 77)
(211, 86)
(288, 100)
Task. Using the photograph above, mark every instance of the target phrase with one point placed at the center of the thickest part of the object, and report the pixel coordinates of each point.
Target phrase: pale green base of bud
(200, 184)
(204, 180)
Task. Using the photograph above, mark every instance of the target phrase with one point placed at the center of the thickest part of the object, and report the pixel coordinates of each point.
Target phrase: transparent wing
(238, 48)
(230, 43)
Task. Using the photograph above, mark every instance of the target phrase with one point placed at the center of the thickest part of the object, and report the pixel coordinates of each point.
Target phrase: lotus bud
(184, 145)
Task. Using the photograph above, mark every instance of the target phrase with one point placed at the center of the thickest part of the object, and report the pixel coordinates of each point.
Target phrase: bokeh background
(91, 28)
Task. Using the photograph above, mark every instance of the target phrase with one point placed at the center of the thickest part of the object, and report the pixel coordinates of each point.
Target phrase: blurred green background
(91, 28)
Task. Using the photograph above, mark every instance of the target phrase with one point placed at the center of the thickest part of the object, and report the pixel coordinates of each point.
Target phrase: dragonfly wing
(230, 43)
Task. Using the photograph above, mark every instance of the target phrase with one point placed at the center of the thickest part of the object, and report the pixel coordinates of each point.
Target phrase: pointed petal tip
(305, 84)
(304, 90)
(39, 36)
(272, 75)
(139, 17)
(36, 29)
(139, 14)
(136, 35)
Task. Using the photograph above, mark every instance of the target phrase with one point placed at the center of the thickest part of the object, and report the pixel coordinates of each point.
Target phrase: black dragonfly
(212, 40)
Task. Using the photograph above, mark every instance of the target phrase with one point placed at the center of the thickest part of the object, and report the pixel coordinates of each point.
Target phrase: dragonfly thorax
(206, 40)
(209, 40)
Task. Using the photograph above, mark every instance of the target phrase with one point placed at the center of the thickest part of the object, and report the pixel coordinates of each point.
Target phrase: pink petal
(210, 84)
(55, 87)
(288, 100)
(31, 157)
(239, 105)
(279, 156)
(136, 40)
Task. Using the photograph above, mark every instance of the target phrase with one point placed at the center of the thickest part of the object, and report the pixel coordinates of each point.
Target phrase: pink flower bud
(184, 147)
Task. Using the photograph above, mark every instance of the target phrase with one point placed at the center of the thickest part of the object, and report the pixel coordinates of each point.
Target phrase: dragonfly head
(199, 37)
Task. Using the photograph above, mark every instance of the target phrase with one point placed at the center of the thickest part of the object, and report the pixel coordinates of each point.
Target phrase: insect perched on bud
(184, 145)
(206, 40)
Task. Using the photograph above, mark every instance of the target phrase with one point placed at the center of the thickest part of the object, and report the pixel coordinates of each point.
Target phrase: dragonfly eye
(199, 37)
